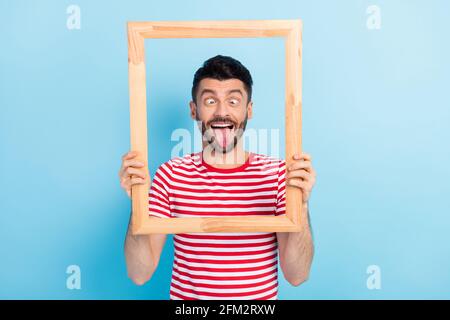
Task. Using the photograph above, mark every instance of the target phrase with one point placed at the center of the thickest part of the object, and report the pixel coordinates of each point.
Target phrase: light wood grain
(291, 30)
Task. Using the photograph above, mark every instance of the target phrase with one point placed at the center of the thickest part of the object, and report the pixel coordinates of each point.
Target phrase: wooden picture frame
(291, 30)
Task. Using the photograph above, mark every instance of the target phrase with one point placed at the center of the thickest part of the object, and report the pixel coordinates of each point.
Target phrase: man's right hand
(132, 171)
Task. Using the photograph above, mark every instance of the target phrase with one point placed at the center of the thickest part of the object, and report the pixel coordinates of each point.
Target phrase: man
(222, 179)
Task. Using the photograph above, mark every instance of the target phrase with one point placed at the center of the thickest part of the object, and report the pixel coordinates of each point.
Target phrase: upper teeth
(222, 125)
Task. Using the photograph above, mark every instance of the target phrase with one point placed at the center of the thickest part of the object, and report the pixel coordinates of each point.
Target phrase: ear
(250, 110)
(193, 107)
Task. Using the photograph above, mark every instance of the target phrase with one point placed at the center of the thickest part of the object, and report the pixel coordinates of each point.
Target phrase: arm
(142, 252)
(296, 250)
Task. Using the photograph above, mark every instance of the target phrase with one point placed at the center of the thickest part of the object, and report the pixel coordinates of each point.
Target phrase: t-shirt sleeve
(159, 192)
(281, 194)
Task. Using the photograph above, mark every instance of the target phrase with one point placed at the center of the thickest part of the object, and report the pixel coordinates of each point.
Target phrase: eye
(209, 101)
(234, 102)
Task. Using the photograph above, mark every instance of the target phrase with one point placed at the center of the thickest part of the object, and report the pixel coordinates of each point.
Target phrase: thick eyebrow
(214, 92)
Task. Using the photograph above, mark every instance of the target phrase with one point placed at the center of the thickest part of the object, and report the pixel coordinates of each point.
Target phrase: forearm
(299, 251)
(139, 258)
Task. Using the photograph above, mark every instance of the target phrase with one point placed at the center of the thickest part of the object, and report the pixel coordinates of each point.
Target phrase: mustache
(222, 119)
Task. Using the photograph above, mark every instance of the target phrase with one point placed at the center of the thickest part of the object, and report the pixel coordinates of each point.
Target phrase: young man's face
(223, 109)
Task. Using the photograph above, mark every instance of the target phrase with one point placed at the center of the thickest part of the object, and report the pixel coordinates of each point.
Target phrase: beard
(222, 140)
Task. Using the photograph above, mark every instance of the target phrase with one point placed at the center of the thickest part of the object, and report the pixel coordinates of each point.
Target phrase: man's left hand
(301, 174)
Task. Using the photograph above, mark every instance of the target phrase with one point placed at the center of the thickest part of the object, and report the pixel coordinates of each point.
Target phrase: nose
(221, 110)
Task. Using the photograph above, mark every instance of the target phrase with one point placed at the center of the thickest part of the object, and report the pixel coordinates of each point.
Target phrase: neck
(232, 159)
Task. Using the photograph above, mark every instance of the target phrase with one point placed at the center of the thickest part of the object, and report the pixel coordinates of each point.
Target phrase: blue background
(376, 114)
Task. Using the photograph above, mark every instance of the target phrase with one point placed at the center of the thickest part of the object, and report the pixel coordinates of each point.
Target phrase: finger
(133, 163)
(298, 183)
(129, 163)
(299, 174)
(128, 183)
(133, 171)
(126, 156)
(122, 171)
(135, 181)
(129, 155)
(125, 183)
(300, 156)
(303, 186)
(300, 165)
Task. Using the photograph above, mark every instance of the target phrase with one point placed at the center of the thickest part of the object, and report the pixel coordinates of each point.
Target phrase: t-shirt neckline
(226, 170)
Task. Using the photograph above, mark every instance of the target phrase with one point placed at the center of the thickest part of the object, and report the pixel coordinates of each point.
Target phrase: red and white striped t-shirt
(221, 265)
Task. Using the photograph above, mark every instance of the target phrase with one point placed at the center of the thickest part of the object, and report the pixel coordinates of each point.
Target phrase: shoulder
(187, 160)
(263, 159)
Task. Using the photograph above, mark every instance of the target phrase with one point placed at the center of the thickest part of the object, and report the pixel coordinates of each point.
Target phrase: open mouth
(223, 132)
(222, 126)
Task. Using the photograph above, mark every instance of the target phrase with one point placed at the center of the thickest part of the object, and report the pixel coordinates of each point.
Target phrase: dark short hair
(222, 68)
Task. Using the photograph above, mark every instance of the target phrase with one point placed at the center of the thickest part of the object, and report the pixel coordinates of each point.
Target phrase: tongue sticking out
(223, 136)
